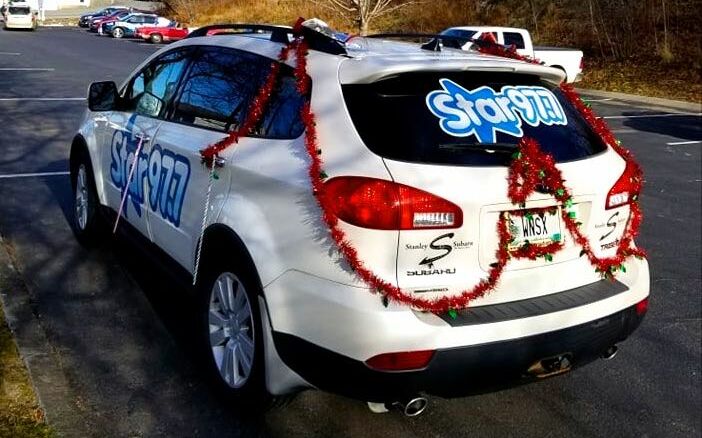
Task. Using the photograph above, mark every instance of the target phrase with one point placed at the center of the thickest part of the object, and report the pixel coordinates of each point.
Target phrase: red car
(158, 35)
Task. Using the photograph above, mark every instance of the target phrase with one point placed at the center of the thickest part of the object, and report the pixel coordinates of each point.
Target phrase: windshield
(466, 118)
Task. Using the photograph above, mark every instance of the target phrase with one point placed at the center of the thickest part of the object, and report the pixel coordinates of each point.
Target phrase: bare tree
(187, 9)
(362, 12)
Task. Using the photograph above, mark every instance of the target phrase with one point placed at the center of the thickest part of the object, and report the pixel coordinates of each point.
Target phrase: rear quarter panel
(271, 205)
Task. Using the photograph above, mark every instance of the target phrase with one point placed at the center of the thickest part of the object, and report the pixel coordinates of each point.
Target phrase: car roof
(376, 58)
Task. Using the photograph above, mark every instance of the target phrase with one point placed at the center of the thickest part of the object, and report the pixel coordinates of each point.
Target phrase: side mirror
(102, 96)
(149, 105)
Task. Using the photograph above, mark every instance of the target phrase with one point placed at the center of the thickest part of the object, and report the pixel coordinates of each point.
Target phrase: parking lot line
(31, 175)
(638, 116)
(40, 99)
(676, 143)
(9, 54)
(25, 69)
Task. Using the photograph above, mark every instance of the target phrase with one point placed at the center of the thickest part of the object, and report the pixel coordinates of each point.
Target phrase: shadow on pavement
(683, 127)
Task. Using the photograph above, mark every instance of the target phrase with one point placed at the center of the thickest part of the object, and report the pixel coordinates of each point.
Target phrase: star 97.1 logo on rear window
(483, 112)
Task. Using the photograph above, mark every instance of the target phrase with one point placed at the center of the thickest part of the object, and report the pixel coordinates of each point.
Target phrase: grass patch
(679, 83)
(20, 415)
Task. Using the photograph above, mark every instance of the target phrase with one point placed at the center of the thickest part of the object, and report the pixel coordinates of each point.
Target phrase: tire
(87, 222)
(156, 38)
(230, 330)
(117, 32)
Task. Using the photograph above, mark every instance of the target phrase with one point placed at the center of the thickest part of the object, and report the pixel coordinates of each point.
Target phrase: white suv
(417, 195)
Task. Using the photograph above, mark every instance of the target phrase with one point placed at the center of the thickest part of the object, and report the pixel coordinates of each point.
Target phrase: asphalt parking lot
(119, 334)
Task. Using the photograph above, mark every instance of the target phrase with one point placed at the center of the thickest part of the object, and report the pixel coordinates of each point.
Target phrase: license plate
(538, 227)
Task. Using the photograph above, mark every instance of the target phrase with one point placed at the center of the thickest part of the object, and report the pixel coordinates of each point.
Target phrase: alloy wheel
(231, 331)
(81, 204)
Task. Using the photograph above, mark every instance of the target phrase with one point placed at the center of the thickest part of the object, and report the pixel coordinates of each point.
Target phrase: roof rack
(437, 40)
(279, 34)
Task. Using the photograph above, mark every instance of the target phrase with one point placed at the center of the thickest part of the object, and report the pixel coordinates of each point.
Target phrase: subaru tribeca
(418, 174)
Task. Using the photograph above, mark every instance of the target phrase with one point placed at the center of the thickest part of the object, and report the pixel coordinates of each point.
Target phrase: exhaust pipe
(610, 353)
(412, 407)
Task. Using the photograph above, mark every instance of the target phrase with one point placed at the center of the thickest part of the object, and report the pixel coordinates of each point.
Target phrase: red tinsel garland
(530, 169)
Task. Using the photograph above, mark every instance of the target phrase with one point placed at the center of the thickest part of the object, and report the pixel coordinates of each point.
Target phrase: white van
(20, 16)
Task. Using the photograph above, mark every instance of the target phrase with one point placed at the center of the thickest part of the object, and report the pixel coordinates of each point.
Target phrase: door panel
(213, 100)
(145, 101)
(178, 182)
(126, 133)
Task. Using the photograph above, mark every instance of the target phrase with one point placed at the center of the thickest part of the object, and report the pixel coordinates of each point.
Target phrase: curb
(653, 101)
(42, 362)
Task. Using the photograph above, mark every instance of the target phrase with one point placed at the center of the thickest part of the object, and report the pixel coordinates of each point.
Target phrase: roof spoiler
(437, 40)
(279, 34)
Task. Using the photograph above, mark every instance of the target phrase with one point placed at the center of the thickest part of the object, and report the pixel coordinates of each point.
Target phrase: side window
(282, 118)
(219, 87)
(514, 38)
(151, 90)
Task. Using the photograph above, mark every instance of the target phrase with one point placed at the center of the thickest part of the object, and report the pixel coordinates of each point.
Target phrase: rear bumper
(456, 372)
(324, 331)
(22, 25)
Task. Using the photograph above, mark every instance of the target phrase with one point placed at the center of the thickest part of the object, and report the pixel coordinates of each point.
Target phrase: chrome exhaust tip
(415, 406)
(412, 407)
(610, 353)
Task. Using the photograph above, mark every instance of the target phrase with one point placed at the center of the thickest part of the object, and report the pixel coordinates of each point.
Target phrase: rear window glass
(514, 39)
(282, 117)
(466, 118)
(14, 10)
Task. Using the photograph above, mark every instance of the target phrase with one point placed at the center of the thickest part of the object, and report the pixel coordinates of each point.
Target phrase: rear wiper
(488, 148)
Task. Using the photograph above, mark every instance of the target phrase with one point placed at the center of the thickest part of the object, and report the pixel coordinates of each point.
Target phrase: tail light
(625, 190)
(402, 361)
(642, 307)
(385, 205)
(582, 63)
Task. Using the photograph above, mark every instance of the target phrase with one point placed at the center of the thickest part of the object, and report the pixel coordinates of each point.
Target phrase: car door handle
(143, 138)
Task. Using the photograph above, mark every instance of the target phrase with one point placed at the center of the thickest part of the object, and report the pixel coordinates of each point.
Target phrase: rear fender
(251, 226)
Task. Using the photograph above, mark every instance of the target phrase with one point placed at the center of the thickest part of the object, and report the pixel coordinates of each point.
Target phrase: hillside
(650, 47)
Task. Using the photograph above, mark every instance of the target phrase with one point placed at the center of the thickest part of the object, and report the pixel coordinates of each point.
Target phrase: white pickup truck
(568, 60)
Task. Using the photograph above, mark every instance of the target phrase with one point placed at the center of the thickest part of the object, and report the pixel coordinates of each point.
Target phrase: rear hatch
(452, 134)
(19, 15)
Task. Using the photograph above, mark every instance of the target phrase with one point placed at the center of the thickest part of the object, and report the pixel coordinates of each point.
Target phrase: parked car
(126, 26)
(84, 20)
(417, 197)
(97, 22)
(158, 35)
(20, 15)
(568, 60)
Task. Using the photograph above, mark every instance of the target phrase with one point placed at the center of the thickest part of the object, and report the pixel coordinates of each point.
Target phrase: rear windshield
(19, 10)
(466, 118)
